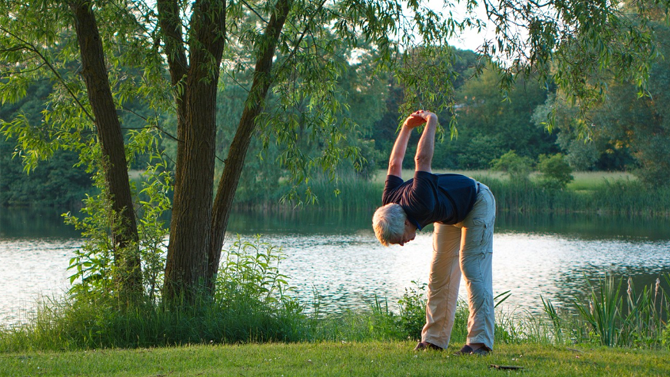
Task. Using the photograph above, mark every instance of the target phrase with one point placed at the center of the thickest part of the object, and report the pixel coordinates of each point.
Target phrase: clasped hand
(418, 118)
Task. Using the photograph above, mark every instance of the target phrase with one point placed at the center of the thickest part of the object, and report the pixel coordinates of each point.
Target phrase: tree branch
(156, 126)
(30, 47)
(254, 11)
(302, 35)
(170, 24)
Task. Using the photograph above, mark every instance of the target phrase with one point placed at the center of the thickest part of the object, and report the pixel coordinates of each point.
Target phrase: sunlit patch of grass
(594, 180)
(135, 174)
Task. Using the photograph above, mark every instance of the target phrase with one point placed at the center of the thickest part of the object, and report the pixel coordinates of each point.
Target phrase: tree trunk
(186, 268)
(238, 149)
(94, 71)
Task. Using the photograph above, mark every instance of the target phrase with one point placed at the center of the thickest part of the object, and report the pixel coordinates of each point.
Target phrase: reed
(590, 193)
(611, 318)
(554, 319)
(615, 194)
(348, 193)
(603, 312)
(647, 312)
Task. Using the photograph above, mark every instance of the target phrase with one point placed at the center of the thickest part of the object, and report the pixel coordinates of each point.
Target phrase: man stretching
(463, 213)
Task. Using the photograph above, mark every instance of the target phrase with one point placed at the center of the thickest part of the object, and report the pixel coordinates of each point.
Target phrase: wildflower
(630, 289)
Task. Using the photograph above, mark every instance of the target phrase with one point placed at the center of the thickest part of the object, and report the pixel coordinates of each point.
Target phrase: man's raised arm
(426, 146)
(400, 145)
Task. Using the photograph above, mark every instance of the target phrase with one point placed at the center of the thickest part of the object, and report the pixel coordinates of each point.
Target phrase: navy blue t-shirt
(429, 198)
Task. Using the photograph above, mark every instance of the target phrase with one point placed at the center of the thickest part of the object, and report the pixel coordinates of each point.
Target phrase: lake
(337, 256)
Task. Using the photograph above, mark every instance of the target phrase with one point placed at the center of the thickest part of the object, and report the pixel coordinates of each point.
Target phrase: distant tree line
(60, 181)
(631, 133)
(56, 182)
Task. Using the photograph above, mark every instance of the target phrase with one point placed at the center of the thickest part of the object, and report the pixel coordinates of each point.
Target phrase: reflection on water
(25, 223)
(589, 226)
(349, 270)
(337, 256)
(30, 269)
(583, 226)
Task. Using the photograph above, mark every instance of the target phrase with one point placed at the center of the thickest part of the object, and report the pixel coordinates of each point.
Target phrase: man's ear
(407, 222)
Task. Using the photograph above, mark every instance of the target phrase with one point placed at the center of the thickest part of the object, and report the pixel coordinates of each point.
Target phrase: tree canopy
(287, 56)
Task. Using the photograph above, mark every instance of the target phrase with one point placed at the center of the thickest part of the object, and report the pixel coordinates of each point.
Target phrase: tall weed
(604, 311)
(636, 320)
(382, 322)
(555, 319)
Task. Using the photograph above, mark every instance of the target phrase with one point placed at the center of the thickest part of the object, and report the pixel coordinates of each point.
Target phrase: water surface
(336, 257)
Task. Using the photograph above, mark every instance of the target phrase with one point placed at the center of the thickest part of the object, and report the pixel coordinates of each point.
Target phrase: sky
(469, 39)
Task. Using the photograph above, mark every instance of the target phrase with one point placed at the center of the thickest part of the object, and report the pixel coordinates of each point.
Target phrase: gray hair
(388, 223)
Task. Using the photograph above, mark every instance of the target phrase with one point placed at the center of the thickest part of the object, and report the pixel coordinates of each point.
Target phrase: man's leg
(443, 284)
(475, 259)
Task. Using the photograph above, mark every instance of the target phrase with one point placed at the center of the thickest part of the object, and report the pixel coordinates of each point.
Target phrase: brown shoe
(467, 350)
(422, 346)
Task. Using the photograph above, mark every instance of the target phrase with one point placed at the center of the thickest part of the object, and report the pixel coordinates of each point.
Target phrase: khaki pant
(464, 248)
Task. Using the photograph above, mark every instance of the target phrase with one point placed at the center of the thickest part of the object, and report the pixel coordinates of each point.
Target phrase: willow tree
(62, 41)
(288, 45)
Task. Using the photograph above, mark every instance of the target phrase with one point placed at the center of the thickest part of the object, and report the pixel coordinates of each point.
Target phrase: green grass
(595, 180)
(337, 359)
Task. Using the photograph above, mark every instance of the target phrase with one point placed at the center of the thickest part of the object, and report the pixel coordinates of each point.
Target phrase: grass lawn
(591, 180)
(337, 359)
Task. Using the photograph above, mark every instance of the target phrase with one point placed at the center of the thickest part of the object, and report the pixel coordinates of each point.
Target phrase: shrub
(555, 172)
(517, 167)
(249, 273)
(413, 310)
